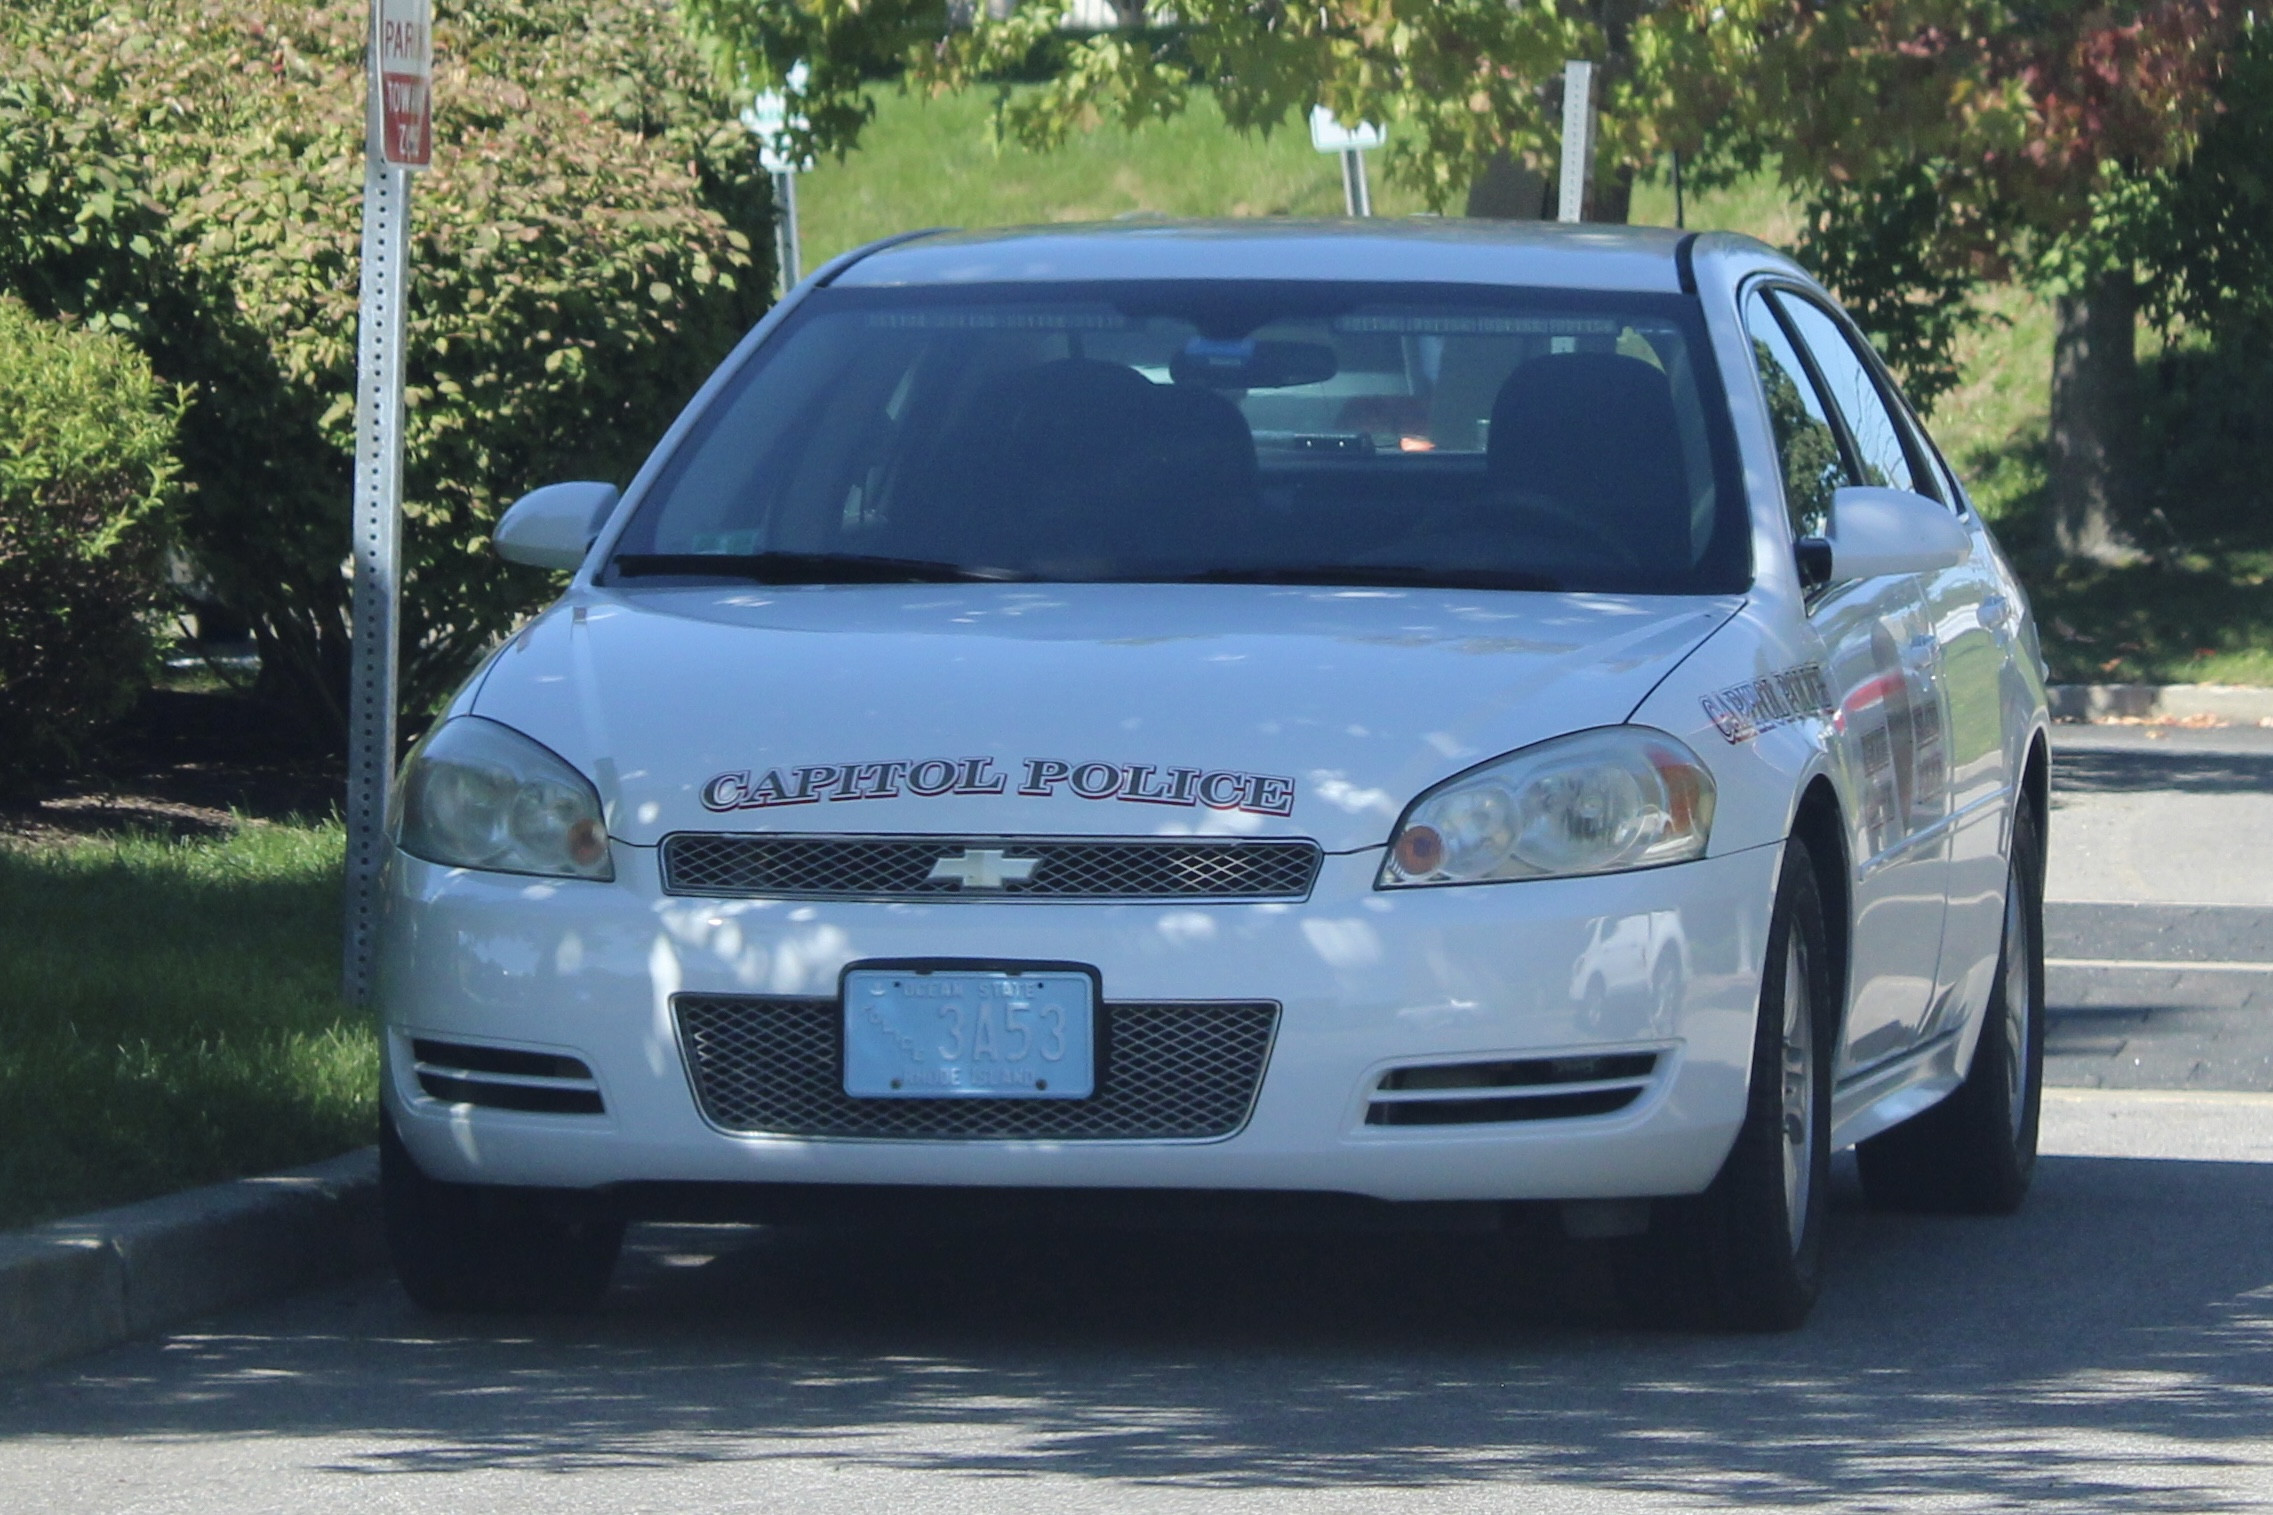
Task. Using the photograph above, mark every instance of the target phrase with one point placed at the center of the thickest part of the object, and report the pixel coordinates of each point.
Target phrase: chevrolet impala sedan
(1423, 712)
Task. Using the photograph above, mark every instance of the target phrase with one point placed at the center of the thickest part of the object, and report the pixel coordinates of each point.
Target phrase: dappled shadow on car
(2112, 1347)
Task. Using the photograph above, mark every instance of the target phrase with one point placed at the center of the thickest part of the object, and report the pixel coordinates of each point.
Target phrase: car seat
(1595, 433)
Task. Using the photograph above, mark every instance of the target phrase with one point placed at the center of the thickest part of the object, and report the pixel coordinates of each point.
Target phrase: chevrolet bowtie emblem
(982, 868)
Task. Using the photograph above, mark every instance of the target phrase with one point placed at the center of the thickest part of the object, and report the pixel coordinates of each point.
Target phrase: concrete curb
(2240, 703)
(77, 1285)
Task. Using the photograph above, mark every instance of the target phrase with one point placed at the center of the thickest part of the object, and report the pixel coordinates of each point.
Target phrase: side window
(1877, 434)
(1805, 443)
(1943, 477)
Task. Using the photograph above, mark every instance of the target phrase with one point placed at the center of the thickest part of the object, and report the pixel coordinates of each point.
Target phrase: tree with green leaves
(2206, 229)
(589, 243)
(1461, 82)
(1936, 144)
(1948, 142)
(87, 492)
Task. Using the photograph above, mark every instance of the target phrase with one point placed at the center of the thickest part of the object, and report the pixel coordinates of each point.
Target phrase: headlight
(1599, 801)
(480, 795)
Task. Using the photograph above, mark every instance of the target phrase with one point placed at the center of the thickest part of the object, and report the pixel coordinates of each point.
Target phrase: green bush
(587, 246)
(86, 479)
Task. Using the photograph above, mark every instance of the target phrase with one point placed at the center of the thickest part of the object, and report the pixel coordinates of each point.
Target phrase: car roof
(1416, 249)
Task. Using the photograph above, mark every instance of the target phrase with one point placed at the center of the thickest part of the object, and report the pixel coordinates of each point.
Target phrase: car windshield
(1212, 431)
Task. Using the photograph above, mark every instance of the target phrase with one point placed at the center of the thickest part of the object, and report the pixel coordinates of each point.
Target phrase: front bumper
(1666, 961)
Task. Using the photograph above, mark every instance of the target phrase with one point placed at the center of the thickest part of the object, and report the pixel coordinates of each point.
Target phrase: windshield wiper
(1377, 575)
(806, 568)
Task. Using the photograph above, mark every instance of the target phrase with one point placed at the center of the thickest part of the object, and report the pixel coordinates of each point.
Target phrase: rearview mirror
(553, 527)
(1875, 532)
(1249, 364)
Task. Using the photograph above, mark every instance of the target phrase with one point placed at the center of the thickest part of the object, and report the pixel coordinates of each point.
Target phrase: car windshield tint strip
(1479, 326)
(983, 319)
(1213, 431)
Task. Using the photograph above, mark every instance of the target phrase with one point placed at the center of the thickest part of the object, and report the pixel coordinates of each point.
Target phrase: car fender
(1750, 703)
(1765, 763)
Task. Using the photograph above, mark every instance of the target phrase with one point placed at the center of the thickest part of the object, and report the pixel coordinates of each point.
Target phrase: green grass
(170, 1015)
(1757, 207)
(1992, 424)
(929, 163)
(2187, 618)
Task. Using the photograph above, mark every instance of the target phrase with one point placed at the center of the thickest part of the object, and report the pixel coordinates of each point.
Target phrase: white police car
(1426, 711)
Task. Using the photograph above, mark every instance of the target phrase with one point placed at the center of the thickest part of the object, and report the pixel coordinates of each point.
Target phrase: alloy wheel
(2020, 1008)
(1799, 1091)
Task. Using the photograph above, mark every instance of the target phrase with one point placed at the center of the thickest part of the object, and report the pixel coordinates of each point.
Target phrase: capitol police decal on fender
(1743, 711)
(1038, 778)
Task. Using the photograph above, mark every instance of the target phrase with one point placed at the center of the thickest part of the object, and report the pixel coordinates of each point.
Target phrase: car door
(1975, 620)
(1964, 781)
(1879, 659)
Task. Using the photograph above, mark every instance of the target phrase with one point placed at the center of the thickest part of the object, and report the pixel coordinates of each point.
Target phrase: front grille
(1064, 868)
(1164, 1072)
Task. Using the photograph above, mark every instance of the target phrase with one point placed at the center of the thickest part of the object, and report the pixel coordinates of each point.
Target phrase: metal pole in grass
(769, 121)
(1357, 195)
(788, 254)
(1351, 143)
(1578, 140)
(399, 140)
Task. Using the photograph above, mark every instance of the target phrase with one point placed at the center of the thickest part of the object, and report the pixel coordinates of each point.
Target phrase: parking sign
(403, 73)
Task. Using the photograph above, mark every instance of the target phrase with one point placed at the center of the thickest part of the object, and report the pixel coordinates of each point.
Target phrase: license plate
(913, 1033)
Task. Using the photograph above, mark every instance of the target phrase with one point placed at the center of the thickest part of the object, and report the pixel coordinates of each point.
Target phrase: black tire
(1747, 1254)
(1975, 1152)
(479, 1247)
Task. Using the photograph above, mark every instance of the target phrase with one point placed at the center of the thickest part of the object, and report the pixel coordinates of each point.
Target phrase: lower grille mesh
(775, 1067)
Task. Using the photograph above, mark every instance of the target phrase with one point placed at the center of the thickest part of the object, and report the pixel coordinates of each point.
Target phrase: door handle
(1995, 611)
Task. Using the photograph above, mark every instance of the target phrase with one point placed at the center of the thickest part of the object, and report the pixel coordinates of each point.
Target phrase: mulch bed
(187, 764)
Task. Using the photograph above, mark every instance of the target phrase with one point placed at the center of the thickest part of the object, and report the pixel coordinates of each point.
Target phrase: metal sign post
(1578, 141)
(788, 252)
(768, 120)
(1357, 195)
(1352, 143)
(400, 141)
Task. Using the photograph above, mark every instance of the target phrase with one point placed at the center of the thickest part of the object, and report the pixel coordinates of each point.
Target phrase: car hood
(1073, 709)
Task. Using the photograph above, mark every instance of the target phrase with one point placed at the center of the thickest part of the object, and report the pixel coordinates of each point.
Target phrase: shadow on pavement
(2105, 770)
(2112, 1347)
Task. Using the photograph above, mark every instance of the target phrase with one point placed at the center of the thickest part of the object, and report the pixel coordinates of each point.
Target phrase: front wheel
(1747, 1253)
(485, 1248)
(1975, 1152)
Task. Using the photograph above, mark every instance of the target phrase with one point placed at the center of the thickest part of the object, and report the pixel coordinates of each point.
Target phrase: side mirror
(1875, 532)
(553, 527)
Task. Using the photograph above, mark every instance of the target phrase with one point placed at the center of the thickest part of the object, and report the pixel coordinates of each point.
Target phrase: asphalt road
(2109, 1349)
(2159, 913)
